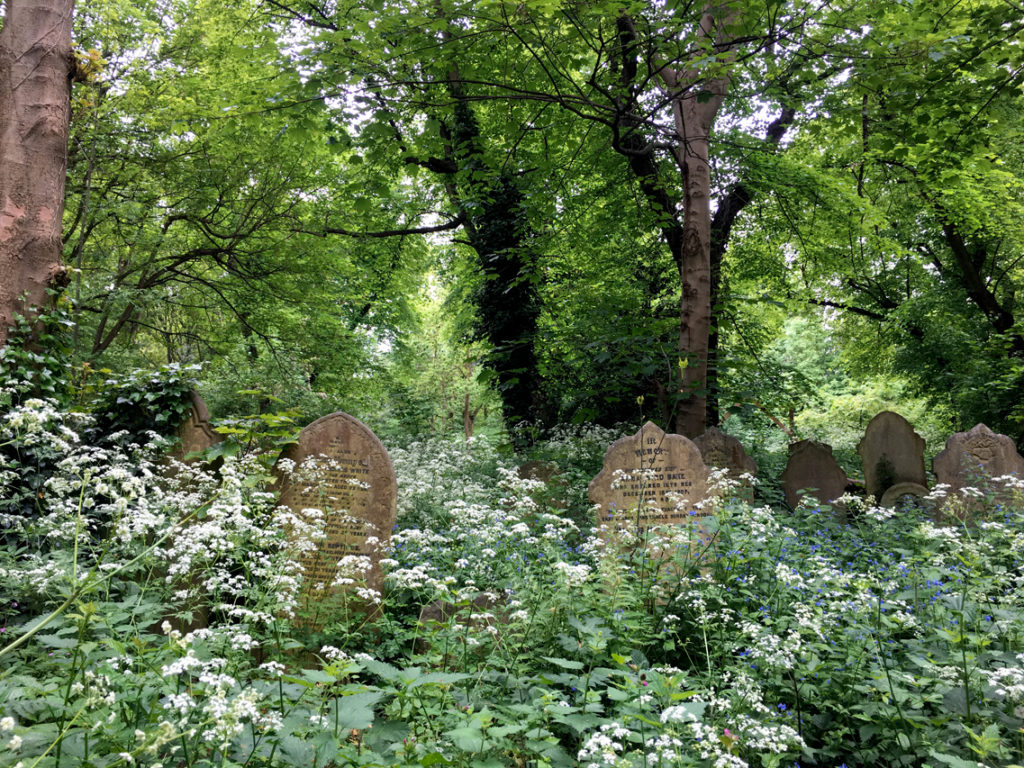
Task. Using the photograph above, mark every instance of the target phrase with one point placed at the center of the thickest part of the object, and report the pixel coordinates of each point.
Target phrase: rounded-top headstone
(724, 451)
(891, 453)
(645, 476)
(812, 466)
(356, 487)
(895, 494)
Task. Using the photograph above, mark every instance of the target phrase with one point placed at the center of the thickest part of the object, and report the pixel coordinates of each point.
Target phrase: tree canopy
(620, 207)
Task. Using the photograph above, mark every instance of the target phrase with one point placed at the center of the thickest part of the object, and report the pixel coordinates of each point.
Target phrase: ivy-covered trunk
(493, 212)
(35, 89)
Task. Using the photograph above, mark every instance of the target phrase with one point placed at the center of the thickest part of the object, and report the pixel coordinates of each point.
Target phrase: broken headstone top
(195, 432)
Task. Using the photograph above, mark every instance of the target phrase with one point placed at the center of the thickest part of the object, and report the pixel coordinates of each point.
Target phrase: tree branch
(447, 226)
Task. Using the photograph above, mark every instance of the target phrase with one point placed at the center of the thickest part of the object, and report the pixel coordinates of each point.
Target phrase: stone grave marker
(654, 467)
(812, 466)
(357, 489)
(892, 454)
(548, 473)
(726, 452)
(973, 458)
(895, 495)
(195, 432)
(544, 471)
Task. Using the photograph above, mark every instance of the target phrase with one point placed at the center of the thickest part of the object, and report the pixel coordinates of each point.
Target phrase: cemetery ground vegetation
(147, 619)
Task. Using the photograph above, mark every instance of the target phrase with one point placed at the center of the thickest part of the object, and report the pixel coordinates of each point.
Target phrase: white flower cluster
(211, 700)
(775, 651)
(1008, 682)
(436, 469)
(604, 747)
(574, 575)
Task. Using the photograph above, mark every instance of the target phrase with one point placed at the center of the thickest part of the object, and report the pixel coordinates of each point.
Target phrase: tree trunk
(695, 102)
(694, 265)
(35, 108)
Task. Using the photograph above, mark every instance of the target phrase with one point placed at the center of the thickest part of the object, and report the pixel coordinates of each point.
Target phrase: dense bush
(162, 636)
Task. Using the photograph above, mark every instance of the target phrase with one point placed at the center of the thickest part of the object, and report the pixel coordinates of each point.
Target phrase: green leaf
(469, 738)
(434, 758)
(564, 663)
(355, 711)
(953, 761)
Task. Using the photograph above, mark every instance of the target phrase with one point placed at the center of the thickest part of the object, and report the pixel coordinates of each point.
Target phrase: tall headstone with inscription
(975, 458)
(812, 470)
(726, 452)
(651, 478)
(354, 483)
(892, 454)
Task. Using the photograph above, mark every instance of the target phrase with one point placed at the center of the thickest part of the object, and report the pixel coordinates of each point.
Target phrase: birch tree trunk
(35, 106)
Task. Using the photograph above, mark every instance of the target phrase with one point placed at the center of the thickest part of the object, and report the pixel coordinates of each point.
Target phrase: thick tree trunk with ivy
(35, 88)
(492, 210)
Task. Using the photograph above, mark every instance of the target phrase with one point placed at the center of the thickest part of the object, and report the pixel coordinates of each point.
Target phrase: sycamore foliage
(265, 186)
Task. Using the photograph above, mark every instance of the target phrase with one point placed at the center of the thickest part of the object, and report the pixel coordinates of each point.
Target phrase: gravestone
(726, 452)
(544, 471)
(895, 495)
(195, 432)
(812, 466)
(892, 454)
(656, 469)
(548, 473)
(356, 487)
(973, 458)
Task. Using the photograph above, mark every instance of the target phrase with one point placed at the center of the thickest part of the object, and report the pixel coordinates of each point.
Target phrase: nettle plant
(147, 619)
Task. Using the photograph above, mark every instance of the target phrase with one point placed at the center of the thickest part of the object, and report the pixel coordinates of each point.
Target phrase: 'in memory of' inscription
(651, 478)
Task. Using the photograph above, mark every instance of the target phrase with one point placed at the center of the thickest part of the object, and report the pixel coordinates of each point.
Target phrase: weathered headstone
(976, 457)
(356, 487)
(726, 452)
(659, 470)
(892, 454)
(544, 471)
(812, 466)
(895, 495)
(195, 432)
(548, 473)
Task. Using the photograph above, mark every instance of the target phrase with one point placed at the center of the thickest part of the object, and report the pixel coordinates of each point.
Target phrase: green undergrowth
(145, 615)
